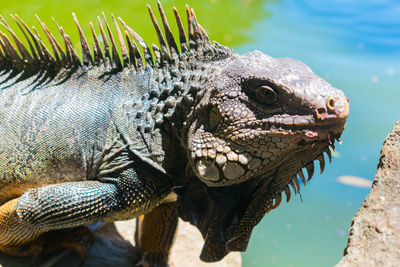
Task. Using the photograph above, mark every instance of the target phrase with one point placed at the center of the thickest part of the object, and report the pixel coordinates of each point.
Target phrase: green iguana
(111, 135)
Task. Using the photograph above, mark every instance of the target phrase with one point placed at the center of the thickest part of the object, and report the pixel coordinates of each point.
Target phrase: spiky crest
(36, 58)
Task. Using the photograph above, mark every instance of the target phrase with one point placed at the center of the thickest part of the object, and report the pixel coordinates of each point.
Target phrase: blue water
(355, 45)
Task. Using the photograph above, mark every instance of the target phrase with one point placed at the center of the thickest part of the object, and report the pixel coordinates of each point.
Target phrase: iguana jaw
(232, 158)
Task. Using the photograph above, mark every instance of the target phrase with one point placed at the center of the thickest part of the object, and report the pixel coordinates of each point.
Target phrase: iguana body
(100, 139)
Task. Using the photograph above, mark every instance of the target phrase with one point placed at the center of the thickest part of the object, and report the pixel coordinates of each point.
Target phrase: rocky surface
(114, 246)
(187, 246)
(374, 235)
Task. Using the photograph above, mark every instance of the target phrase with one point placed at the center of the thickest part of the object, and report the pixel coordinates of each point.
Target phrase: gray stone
(374, 235)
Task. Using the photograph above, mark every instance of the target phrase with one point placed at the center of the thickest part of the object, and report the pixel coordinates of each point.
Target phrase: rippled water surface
(355, 45)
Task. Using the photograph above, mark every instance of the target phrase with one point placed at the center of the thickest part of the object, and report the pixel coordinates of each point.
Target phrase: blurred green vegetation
(227, 22)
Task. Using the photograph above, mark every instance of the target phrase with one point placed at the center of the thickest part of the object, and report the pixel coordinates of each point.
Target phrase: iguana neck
(181, 86)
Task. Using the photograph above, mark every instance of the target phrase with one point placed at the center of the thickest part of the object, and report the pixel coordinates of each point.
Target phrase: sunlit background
(354, 45)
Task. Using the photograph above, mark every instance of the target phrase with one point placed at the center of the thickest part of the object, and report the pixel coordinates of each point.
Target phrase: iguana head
(260, 112)
(260, 122)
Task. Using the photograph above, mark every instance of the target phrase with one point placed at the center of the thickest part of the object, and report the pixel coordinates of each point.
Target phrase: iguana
(111, 135)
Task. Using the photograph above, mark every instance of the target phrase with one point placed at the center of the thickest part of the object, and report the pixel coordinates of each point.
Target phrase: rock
(374, 235)
(114, 246)
(109, 249)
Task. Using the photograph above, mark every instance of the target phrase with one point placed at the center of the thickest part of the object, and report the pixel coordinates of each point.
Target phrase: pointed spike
(301, 175)
(135, 36)
(9, 50)
(97, 52)
(86, 56)
(287, 193)
(198, 36)
(333, 147)
(12, 51)
(278, 199)
(310, 170)
(58, 54)
(115, 56)
(182, 36)
(2, 52)
(68, 52)
(96, 56)
(167, 30)
(57, 45)
(50, 39)
(192, 41)
(194, 20)
(291, 183)
(146, 50)
(58, 27)
(157, 52)
(195, 24)
(47, 57)
(131, 51)
(107, 56)
(296, 181)
(3, 49)
(161, 40)
(321, 160)
(24, 53)
(328, 152)
(134, 51)
(34, 51)
(75, 59)
(204, 34)
(125, 58)
(38, 46)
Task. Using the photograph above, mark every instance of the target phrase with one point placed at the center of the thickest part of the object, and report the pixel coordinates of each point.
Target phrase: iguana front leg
(14, 232)
(155, 234)
(73, 204)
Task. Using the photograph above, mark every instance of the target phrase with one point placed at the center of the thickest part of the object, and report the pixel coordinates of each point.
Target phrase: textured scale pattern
(109, 135)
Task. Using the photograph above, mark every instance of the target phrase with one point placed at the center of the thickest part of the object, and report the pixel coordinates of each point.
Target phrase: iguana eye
(266, 95)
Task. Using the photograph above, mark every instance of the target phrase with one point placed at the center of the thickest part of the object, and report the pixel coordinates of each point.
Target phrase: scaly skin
(100, 139)
(261, 121)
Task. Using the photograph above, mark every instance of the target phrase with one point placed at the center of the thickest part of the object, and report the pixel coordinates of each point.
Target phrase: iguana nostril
(331, 104)
(321, 111)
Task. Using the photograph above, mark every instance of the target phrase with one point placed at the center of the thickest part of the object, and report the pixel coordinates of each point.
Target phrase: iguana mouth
(323, 122)
(306, 125)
